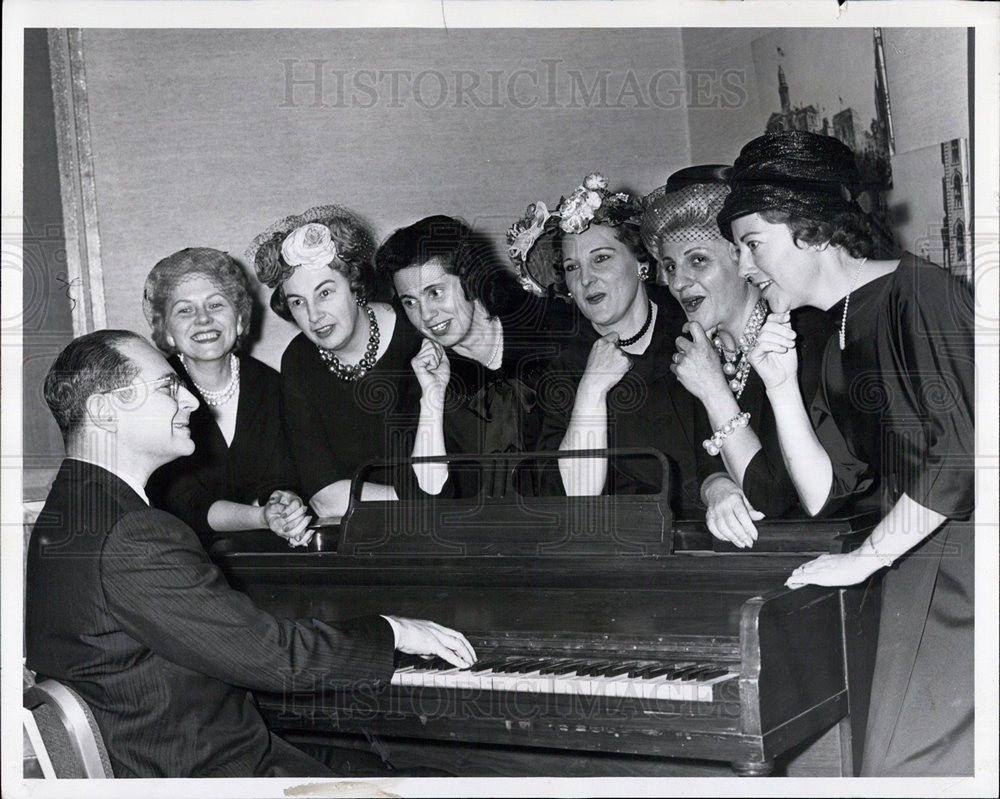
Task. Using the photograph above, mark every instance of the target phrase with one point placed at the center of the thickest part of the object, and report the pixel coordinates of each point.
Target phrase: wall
(927, 74)
(46, 322)
(200, 138)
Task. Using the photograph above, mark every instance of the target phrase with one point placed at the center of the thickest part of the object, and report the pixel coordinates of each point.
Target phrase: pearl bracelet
(713, 445)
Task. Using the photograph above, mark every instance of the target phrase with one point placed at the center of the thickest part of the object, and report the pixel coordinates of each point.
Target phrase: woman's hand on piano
(421, 637)
(834, 570)
(730, 517)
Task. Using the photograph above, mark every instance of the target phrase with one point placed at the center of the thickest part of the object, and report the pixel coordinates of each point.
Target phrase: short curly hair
(354, 260)
(219, 267)
(848, 230)
(462, 252)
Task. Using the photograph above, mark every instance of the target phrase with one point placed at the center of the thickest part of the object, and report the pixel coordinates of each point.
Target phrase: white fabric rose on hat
(310, 246)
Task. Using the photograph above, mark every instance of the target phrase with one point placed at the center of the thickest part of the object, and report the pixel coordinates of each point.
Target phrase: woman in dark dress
(895, 401)
(240, 477)
(484, 348)
(725, 314)
(346, 386)
(612, 387)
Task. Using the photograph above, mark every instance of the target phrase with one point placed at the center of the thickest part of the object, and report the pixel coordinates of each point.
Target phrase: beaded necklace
(740, 372)
(349, 372)
(628, 342)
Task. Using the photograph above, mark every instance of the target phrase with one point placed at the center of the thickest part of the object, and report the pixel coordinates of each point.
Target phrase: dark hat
(803, 174)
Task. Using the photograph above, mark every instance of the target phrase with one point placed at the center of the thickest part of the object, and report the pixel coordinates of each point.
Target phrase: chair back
(65, 728)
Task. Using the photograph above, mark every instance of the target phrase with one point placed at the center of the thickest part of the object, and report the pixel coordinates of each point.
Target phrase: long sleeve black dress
(899, 398)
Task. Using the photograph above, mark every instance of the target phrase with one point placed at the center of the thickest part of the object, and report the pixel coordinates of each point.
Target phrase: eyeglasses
(169, 384)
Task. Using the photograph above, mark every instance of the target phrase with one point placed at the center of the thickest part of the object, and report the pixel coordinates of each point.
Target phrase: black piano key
(570, 667)
(658, 671)
(591, 667)
(693, 672)
(551, 666)
(433, 664)
(530, 666)
(620, 669)
(404, 661)
(712, 673)
(486, 664)
(511, 666)
(676, 669)
(640, 671)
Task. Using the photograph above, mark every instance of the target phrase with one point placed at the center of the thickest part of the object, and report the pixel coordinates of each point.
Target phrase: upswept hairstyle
(218, 267)
(355, 251)
(88, 365)
(461, 252)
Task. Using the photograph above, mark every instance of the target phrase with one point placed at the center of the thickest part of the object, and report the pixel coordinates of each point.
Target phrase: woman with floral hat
(347, 389)
(612, 387)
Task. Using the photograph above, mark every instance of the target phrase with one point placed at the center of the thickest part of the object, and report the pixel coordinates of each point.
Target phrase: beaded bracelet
(714, 444)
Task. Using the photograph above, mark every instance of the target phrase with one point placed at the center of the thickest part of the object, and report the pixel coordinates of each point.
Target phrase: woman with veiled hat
(240, 477)
(611, 386)
(895, 402)
(347, 389)
(725, 314)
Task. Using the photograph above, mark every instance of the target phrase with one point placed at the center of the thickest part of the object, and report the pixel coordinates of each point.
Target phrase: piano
(602, 625)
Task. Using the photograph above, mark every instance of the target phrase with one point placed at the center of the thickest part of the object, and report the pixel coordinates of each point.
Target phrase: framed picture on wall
(804, 84)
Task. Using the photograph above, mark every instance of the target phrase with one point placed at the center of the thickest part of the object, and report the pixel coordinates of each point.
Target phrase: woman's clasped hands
(285, 514)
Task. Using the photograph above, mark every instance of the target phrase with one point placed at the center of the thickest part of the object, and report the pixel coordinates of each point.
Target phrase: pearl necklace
(496, 349)
(847, 301)
(221, 397)
(748, 339)
(628, 342)
(349, 372)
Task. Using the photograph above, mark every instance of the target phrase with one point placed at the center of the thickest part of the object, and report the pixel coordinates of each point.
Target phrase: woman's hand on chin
(606, 366)
(433, 371)
(774, 357)
(696, 363)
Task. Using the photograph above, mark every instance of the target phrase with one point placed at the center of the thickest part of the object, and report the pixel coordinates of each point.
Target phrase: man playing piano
(124, 606)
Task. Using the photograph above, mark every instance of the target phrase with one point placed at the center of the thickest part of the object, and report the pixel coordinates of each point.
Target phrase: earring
(643, 272)
(170, 341)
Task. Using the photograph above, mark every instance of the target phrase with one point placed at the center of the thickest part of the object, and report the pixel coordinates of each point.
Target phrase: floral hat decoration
(531, 243)
(306, 240)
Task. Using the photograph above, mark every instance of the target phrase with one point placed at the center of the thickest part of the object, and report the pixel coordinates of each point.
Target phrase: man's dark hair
(90, 364)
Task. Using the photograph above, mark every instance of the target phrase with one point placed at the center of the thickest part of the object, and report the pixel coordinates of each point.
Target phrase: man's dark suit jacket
(124, 606)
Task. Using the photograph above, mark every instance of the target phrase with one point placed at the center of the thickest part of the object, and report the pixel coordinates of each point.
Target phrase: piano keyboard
(685, 681)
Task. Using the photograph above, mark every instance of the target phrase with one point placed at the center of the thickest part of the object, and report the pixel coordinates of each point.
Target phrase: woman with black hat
(895, 402)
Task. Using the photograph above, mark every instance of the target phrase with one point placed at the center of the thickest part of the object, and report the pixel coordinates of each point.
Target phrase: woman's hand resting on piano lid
(730, 517)
(835, 570)
(285, 514)
(427, 638)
